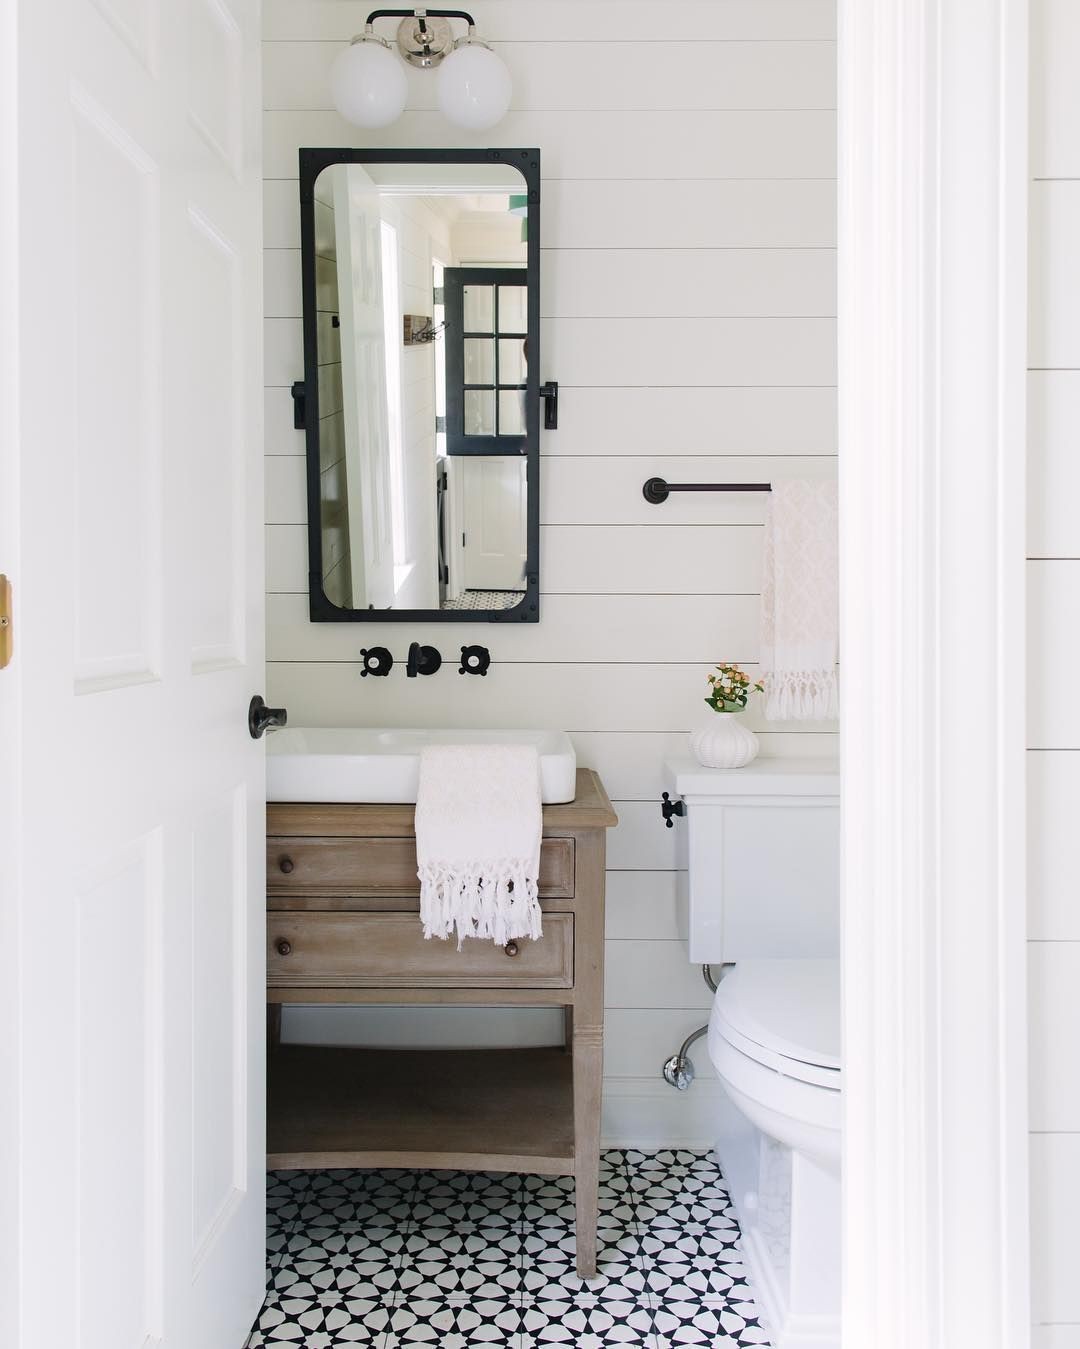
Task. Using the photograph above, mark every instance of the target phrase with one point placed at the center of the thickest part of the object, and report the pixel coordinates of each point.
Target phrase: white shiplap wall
(1054, 654)
(688, 278)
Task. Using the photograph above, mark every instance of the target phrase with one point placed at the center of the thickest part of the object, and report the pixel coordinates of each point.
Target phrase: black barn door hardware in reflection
(549, 392)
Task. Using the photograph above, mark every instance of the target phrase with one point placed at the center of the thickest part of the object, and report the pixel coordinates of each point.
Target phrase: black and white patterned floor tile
(486, 599)
(395, 1259)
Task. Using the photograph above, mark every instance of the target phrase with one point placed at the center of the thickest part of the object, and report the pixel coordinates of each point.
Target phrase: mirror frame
(312, 163)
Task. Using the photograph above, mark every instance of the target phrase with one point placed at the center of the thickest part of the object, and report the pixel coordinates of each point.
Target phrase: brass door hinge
(6, 635)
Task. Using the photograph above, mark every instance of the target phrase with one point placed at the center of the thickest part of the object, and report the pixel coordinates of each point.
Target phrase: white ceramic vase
(724, 742)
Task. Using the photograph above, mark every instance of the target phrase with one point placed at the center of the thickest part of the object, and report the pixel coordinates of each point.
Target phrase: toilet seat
(784, 1015)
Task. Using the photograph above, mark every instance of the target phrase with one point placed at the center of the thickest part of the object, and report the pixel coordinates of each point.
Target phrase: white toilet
(762, 856)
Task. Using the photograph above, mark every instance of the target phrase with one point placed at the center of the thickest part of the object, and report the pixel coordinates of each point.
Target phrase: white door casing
(10, 678)
(932, 305)
(138, 794)
(453, 526)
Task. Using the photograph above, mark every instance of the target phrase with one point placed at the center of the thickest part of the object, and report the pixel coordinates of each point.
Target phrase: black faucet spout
(423, 660)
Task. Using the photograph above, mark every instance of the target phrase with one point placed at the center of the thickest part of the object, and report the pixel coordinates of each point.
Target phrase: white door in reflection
(495, 522)
(367, 550)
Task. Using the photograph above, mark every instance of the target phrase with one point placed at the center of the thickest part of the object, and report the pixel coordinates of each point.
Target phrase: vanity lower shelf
(479, 1109)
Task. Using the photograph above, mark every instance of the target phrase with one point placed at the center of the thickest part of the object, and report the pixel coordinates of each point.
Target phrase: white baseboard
(644, 1112)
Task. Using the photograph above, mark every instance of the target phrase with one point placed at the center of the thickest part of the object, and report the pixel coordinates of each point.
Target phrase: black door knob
(261, 717)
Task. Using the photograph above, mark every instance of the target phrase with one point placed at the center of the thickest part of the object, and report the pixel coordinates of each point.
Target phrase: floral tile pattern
(452, 1259)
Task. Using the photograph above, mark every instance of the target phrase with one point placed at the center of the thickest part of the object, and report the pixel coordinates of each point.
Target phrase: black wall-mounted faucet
(424, 660)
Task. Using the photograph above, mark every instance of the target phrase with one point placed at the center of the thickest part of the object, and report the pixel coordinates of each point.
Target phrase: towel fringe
(802, 695)
(495, 900)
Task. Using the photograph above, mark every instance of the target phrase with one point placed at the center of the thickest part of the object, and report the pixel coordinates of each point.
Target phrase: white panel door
(495, 517)
(358, 226)
(137, 880)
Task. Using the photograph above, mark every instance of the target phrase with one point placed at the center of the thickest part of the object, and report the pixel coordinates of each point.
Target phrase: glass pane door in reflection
(487, 359)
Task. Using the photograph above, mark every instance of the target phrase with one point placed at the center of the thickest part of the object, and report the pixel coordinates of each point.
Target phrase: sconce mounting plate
(424, 47)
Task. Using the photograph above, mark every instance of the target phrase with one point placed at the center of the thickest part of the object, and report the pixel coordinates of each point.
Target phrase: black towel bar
(657, 490)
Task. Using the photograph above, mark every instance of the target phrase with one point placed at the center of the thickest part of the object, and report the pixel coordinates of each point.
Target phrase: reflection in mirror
(421, 324)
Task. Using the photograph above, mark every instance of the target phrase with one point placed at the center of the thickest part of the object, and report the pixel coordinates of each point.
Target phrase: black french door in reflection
(487, 364)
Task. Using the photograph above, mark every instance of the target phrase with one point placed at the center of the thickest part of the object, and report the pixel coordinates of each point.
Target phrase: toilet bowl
(774, 1039)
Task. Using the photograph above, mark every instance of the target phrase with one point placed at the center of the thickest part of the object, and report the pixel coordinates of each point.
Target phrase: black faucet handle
(377, 661)
(474, 660)
(423, 660)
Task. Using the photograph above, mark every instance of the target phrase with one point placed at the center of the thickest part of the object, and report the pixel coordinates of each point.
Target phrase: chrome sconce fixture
(368, 84)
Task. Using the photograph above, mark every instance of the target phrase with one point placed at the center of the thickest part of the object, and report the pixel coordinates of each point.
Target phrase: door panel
(217, 443)
(118, 912)
(116, 311)
(495, 533)
(140, 796)
(219, 1082)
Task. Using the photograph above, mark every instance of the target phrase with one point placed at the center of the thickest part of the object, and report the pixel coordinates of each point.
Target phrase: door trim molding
(932, 306)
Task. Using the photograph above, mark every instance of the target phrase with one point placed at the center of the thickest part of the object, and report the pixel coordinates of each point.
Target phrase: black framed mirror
(421, 392)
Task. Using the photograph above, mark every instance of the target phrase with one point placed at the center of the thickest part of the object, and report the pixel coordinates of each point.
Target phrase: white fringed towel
(800, 601)
(478, 826)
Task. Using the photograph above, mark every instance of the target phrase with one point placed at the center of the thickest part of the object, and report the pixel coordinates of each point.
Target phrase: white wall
(1054, 655)
(688, 279)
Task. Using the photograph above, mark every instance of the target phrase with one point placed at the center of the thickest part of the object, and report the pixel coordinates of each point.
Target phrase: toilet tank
(761, 848)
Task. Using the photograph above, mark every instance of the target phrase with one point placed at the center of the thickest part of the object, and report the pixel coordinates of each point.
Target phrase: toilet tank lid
(763, 777)
(791, 1007)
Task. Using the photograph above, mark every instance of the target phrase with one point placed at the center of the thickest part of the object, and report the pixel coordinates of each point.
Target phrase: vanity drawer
(389, 950)
(382, 866)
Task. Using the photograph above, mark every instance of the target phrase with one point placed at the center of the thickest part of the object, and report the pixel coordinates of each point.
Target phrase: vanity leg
(588, 1077)
(273, 1026)
(568, 1028)
(588, 1041)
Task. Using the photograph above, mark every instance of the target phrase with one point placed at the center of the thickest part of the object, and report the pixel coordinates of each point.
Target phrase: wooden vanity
(343, 927)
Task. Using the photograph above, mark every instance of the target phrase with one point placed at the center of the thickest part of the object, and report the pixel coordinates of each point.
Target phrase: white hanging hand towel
(800, 601)
(478, 826)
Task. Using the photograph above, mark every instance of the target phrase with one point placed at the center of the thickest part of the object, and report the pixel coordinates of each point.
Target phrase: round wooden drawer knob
(286, 865)
(284, 948)
(511, 948)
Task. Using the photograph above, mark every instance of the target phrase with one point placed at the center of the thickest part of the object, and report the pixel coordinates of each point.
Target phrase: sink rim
(327, 741)
(323, 764)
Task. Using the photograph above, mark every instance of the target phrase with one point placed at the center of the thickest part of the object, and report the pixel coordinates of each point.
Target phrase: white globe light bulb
(368, 84)
(474, 87)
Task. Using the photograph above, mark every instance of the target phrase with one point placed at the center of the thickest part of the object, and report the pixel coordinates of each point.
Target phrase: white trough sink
(346, 764)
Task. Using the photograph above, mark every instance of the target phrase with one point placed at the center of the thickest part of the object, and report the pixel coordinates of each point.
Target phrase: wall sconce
(368, 82)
